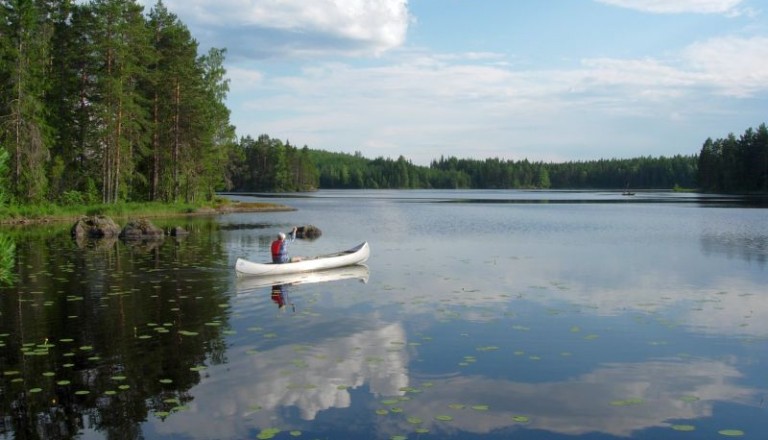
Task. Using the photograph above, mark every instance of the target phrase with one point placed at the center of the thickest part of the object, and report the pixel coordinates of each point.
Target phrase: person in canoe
(280, 247)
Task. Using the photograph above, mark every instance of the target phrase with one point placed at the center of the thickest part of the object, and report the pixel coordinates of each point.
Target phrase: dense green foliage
(732, 164)
(104, 104)
(271, 165)
(268, 164)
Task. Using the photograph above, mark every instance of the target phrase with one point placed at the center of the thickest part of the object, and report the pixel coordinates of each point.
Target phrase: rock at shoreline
(309, 231)
(141, 229)
(97, 226)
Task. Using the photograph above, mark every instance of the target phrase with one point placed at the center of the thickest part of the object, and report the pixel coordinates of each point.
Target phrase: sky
(543, 80)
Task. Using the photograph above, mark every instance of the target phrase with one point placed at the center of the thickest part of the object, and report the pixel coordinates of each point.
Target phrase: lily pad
(731, 432)
(685, 428)
(444, 418)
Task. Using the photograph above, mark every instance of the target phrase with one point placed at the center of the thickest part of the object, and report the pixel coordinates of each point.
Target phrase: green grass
(49, 211)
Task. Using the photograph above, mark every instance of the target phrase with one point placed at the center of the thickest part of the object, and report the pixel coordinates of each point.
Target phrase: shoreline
(228, 208)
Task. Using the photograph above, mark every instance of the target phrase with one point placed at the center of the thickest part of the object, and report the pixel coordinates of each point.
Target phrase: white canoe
(356, 255)
(247, 284)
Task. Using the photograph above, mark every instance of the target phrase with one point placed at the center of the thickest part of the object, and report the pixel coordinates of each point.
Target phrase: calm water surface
(480, 314)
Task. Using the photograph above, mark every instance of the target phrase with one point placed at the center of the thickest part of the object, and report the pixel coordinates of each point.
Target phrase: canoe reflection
(358, 271)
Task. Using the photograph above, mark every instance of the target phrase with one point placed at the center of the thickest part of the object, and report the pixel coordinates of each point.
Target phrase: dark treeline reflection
(101, 335)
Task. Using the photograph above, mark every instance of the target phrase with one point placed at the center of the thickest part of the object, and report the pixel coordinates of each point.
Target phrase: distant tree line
(733, 164)
(102, 103)
(271, 165)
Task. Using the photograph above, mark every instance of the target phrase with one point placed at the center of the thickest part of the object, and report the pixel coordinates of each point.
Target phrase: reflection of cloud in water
(723, 305)
(617, 399)
(256, 388)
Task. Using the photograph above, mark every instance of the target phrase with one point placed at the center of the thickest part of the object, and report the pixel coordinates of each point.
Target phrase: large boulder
(141, 229)
(309, 232)
(96, 226)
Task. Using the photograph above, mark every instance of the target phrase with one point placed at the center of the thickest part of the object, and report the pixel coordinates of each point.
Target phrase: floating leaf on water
(10, 373)
(35, 390)
(295, 433)
(188, 333)
(414, 420)
(118, 378)
(575, 329)
(180, 408)
(110, 392)
(389, 402)
(268, 434)
(521, 419)
(591, 337)
(198, 368)
(124, 387)
(422, 431)
(145, 337)
(82, 392)
(229, 332)
(683, 427)
(480, 407)
(166, 381)
(162, 414)
(689, 399)
(342, 387)
(63, 382)
(444, 418)
(270, 335)
(213, 324)
(382, 412)
(86, 347)
(488, 348)
(731, 432)
(49, 374)
(399, 437)
(68, 365)
(456, 406)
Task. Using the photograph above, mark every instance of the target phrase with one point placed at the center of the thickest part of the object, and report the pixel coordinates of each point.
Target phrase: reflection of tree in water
(125, 326)
(7, 259)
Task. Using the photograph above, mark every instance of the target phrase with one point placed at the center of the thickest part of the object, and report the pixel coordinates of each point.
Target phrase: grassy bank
(21, 214)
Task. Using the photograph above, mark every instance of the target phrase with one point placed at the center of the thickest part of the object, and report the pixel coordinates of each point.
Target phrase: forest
(104, 103)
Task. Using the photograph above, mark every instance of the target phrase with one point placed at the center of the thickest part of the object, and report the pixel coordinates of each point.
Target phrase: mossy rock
(141, 229)
(97, 226)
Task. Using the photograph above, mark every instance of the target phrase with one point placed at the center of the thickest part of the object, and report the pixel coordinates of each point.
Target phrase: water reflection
(261, 384)
(617, 399)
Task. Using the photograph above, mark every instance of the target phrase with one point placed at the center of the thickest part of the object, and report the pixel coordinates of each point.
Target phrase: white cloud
(678, 6)
(738, 66)
(298, 27)
(434, 102)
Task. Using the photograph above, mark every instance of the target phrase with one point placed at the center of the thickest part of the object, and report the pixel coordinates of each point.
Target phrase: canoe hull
(356, 255)
(359, 272)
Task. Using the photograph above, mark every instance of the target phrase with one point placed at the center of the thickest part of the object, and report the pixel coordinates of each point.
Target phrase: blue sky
(546, 80)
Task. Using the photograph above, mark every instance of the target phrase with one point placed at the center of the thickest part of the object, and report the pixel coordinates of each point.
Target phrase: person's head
(281, 236)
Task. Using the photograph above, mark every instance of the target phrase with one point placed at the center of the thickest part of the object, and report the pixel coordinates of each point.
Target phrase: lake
(480, 314)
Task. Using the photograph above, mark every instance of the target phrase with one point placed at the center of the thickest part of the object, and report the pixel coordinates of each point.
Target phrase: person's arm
(292, 235)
